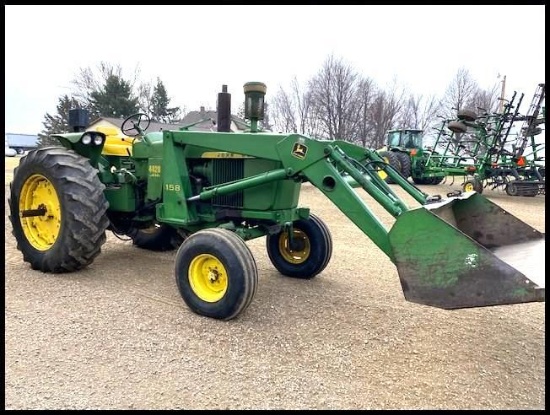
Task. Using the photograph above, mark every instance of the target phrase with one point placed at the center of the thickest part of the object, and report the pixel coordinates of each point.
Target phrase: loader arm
(323, 163)
(459, 252)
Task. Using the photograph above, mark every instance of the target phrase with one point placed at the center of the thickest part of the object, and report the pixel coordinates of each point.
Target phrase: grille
(224, 171)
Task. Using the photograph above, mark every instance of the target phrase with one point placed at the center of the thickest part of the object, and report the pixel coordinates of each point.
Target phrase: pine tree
(159, 110)
(115, 99)
(57, 123)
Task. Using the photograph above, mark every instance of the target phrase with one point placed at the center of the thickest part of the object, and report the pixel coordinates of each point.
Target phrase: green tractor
(206, 193)
(405, 152)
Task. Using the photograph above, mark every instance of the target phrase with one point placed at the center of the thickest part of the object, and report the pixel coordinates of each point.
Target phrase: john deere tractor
(405, 151)
(206, 193)
(401, 144)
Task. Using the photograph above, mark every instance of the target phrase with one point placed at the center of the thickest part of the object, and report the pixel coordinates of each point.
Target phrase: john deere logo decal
(299, 150)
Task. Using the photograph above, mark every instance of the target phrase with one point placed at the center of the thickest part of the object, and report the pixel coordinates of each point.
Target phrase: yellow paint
(469, 187)
(40, 231)
(298, 256)
(154, 170)
(382, 173)
(208, 278)
(116, 143)
(170, 187)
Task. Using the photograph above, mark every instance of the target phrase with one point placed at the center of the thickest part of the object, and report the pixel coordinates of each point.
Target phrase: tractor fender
(69, 138)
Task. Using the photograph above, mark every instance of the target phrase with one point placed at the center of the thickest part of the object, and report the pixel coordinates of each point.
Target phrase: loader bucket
(467, 252)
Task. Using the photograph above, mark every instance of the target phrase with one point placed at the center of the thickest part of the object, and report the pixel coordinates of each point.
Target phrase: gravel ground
(117, 335)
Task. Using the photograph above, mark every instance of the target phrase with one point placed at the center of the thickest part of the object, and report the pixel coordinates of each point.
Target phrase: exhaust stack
(224, 111)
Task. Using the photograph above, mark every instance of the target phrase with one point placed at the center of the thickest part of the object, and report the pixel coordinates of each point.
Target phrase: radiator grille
(224, 171)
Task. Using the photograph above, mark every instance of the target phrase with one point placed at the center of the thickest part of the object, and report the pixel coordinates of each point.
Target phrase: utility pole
(501, 110)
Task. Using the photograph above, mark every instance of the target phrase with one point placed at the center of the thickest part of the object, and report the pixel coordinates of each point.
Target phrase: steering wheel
(135, 124)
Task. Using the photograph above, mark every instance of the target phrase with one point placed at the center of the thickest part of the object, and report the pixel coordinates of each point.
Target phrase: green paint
(250, 182)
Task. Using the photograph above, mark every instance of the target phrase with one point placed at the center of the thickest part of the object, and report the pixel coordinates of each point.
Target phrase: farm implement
(485, 150)
(206, 193)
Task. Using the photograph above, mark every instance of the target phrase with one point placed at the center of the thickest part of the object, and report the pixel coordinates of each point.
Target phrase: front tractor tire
(216, 273)
(57, 210)
(306, 253)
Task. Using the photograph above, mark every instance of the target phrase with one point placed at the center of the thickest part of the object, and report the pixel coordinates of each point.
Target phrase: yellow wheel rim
(208, 278)
(382, 173)
(296, 256)
(38, 193)
(468, 187)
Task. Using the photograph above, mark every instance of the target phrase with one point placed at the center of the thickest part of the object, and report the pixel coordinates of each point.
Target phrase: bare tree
(265, 123)
(485, 101)
(366, 91)
(419, 112)
(339, 103)
(144, 94)
(336, 98)
(293, 111)
(384, 114)
(459, 94)
(283, 112)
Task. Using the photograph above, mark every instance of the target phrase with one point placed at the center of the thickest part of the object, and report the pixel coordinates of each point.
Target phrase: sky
(194, 50)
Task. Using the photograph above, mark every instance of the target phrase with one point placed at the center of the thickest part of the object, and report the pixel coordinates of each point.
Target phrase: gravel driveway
(117, 335)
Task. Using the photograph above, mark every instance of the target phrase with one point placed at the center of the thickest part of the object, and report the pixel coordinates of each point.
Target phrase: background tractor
(405, 150)
(401, 145)
(206, 193)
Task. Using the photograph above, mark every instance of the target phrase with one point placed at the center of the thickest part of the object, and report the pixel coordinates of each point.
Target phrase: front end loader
(215, 190)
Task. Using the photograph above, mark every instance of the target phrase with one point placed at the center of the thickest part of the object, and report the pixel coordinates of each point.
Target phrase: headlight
(98, 140)
(86, 139)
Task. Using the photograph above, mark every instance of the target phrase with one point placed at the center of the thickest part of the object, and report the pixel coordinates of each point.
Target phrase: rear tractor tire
(216, 273)
(57, 210)
(390, 158)
(307, 254)
(158, 237)
(405, 163)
